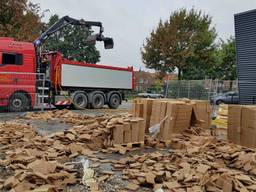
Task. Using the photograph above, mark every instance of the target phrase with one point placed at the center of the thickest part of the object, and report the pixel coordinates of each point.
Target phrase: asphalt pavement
(51, 126)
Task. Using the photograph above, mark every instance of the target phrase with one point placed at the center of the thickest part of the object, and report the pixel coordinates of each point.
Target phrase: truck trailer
(29, 76)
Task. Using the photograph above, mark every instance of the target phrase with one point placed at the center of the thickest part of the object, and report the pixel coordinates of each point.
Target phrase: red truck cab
(17, 73)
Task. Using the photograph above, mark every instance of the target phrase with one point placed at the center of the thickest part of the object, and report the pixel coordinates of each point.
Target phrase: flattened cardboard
(135, 131)
(141, 130)
(248, 132)
(203, 111)
(234, 123)
(118, 134)
(127, 133)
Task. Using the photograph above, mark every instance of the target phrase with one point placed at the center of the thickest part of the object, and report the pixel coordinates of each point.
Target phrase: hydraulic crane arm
(65, 21)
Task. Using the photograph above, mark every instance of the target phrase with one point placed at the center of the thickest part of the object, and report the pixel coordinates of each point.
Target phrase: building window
(12, 59)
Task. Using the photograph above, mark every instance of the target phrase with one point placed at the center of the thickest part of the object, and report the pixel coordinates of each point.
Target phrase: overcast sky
(129, 22)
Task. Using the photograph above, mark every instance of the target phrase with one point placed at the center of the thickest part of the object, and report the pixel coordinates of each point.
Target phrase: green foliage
(225, 61)
(184, 42)
(187, 89)
(20, 19)
(70, 41)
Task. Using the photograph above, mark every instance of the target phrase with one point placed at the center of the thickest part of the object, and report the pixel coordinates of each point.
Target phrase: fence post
(210, 90)
(179, 89)
(188, 89)
(167, 87)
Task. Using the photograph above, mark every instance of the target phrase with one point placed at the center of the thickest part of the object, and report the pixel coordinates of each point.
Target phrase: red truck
(29, 76)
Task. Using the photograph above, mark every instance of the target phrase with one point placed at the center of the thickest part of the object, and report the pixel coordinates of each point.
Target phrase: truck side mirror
(108, 43)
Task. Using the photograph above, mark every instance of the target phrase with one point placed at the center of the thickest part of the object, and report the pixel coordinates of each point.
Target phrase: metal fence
(22, 90)
(191, 89)
(198, 89)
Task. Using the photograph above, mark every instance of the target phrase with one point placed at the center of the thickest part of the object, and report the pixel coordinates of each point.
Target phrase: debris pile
(35, 160)
(65, 115)
(197, 163)
(193, 161)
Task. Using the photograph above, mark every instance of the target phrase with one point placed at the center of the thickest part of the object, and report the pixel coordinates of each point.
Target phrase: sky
(129, 22)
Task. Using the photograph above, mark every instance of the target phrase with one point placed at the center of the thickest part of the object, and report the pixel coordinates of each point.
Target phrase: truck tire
(97, 101)
(114, 101)
(80, 100)
(18, 102)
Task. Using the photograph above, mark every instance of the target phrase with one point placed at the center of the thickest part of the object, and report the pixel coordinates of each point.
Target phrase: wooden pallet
(130, 145)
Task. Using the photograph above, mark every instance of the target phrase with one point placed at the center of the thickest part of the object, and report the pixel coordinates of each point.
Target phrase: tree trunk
(230, 85)
(179, 74)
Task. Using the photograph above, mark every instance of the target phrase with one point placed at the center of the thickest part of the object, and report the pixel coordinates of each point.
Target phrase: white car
(150, 95)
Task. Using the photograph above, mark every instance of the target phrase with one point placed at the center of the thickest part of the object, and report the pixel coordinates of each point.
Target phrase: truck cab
(17, 74)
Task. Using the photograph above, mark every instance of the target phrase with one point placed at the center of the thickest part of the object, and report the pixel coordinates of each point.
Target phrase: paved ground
(51, 126)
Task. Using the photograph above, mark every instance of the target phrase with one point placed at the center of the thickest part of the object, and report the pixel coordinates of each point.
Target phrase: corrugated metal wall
(245, 33)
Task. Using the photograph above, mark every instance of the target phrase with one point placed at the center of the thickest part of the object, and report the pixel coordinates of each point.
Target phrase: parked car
(150, 95)
(230, 97)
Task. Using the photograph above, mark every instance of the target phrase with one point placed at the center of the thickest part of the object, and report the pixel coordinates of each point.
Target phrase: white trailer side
(95, 77)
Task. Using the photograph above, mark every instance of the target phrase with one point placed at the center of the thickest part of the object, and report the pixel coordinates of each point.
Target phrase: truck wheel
(80, 100)
(114, 101)
(18, 102)
(97, 101)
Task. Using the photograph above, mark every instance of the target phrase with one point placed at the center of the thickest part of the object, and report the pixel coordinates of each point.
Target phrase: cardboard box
(129, 132)
(234, 123)
(242, 125)
(179, 114)
(248, 131)
(203, 111)
(179, 119)
(156, 111)
(118, 134)
(142, 108)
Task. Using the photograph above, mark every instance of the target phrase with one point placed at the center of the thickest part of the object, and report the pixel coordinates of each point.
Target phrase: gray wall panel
(245, 33)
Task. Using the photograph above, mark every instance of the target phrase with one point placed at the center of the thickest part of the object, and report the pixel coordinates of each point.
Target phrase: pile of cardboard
(179, 114)
(199, 163)
(129, 132)
(66, 116)
(117, 129)
(242, 125)
(39, 161)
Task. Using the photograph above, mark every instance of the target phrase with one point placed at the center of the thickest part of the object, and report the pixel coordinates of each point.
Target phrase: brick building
(145, 80)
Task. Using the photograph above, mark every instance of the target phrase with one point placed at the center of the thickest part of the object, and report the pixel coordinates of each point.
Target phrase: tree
(184, 42)
(226, 62)
(20, 19)
(70, 41)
